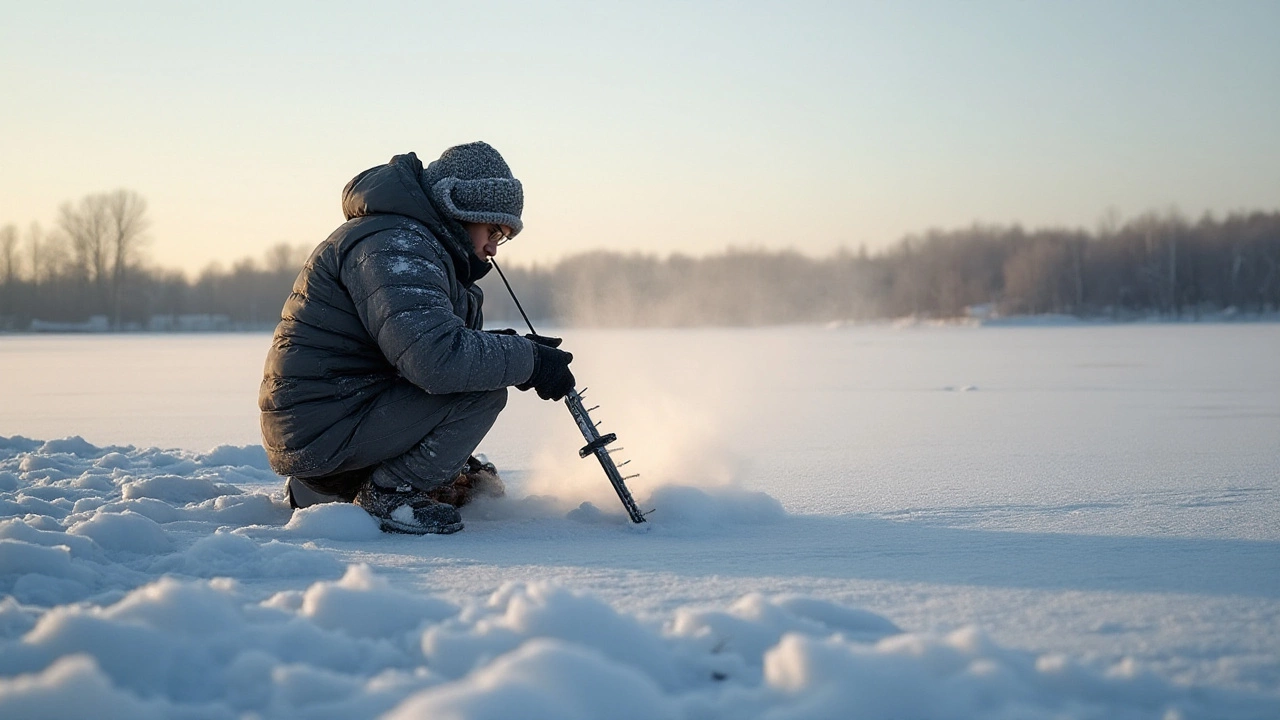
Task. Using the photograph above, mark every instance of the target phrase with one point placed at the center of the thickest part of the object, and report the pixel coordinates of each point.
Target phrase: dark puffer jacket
(388, 297)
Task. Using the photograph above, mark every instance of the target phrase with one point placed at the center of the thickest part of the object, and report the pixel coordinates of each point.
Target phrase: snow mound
(544, 679)
(74, 687)
(517, 613)
(362, 604)
(124, 532)
(10, 446)
(114, 460)
(253, 456)
(240, 509)
(71, 446)
(756, 623)
(229, 554)
(175, 489)
(334, 521)
(713, 506)
(19, 558)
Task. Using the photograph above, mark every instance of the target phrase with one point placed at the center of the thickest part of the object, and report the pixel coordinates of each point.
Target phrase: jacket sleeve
(399, 283)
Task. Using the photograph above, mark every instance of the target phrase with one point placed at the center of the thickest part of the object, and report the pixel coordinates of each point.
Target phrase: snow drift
(142, 583)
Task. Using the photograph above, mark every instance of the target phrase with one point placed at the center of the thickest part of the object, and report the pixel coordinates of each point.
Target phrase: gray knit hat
(472, 183)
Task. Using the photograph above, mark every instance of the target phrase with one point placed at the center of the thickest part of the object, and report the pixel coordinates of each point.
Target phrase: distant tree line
(1156, 264)
(93, 264)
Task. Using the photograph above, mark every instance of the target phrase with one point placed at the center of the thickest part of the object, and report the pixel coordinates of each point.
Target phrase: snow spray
(597, 444)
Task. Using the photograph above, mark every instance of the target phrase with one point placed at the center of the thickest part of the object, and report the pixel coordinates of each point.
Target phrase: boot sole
(394, 527)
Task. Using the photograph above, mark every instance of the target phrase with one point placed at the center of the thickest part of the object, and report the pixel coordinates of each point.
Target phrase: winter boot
(478, 477)
(483, 477)
(405, 509)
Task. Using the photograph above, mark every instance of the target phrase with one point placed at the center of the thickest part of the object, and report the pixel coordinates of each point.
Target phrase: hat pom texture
(472, 183)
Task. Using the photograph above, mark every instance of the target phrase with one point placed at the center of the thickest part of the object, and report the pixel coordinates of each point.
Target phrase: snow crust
(145, 583)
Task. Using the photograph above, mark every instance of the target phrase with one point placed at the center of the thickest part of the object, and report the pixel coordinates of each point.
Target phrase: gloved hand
(503, 331)
(551, 375)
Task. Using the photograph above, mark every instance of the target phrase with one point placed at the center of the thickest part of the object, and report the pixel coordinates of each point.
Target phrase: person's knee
(499, 399)
(486, 403)
(490, 402)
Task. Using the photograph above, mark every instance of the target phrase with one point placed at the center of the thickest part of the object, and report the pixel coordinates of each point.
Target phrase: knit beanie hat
(472, 183)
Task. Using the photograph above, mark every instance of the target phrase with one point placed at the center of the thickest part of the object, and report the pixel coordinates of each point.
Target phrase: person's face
(486, 237)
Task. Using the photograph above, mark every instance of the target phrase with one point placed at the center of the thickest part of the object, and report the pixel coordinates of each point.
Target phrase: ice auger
(597, 444)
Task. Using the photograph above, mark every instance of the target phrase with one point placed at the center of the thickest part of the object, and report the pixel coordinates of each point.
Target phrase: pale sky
(651, 126)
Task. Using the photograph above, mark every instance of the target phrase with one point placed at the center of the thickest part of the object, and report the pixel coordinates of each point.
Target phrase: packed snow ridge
(141, 583)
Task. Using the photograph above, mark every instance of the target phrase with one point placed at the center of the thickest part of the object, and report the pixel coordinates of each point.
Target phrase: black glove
(503, 331)
(551, 375)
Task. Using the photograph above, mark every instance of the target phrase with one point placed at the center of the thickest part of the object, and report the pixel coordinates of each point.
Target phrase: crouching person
(380, 383)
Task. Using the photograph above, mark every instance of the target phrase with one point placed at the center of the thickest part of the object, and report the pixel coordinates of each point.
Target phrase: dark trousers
(411, 437)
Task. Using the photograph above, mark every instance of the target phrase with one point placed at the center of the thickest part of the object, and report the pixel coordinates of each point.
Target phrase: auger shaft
(597, 445)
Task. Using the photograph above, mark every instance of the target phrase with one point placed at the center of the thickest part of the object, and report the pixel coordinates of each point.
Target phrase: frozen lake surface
(1104, 499)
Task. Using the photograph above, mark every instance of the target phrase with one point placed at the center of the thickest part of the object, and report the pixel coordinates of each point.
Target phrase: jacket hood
(393, 189)
(390, 189)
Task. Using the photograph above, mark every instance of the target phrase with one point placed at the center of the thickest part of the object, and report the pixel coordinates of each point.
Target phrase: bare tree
(35, 251)
(126, 224)
(285, 259)
(9, 254)
(8, 268)
(51, 255)
(85, 225)
(106, 231)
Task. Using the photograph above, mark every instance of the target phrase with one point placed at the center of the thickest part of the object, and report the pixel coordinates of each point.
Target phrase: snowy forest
(93, 265)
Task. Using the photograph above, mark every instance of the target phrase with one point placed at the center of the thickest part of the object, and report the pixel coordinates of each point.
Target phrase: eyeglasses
(496, 235)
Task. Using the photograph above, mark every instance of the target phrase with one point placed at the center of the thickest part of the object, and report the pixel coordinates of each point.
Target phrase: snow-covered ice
(836, 533)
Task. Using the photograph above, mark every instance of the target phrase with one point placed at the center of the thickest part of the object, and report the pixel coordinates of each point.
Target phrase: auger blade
(597, 445)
